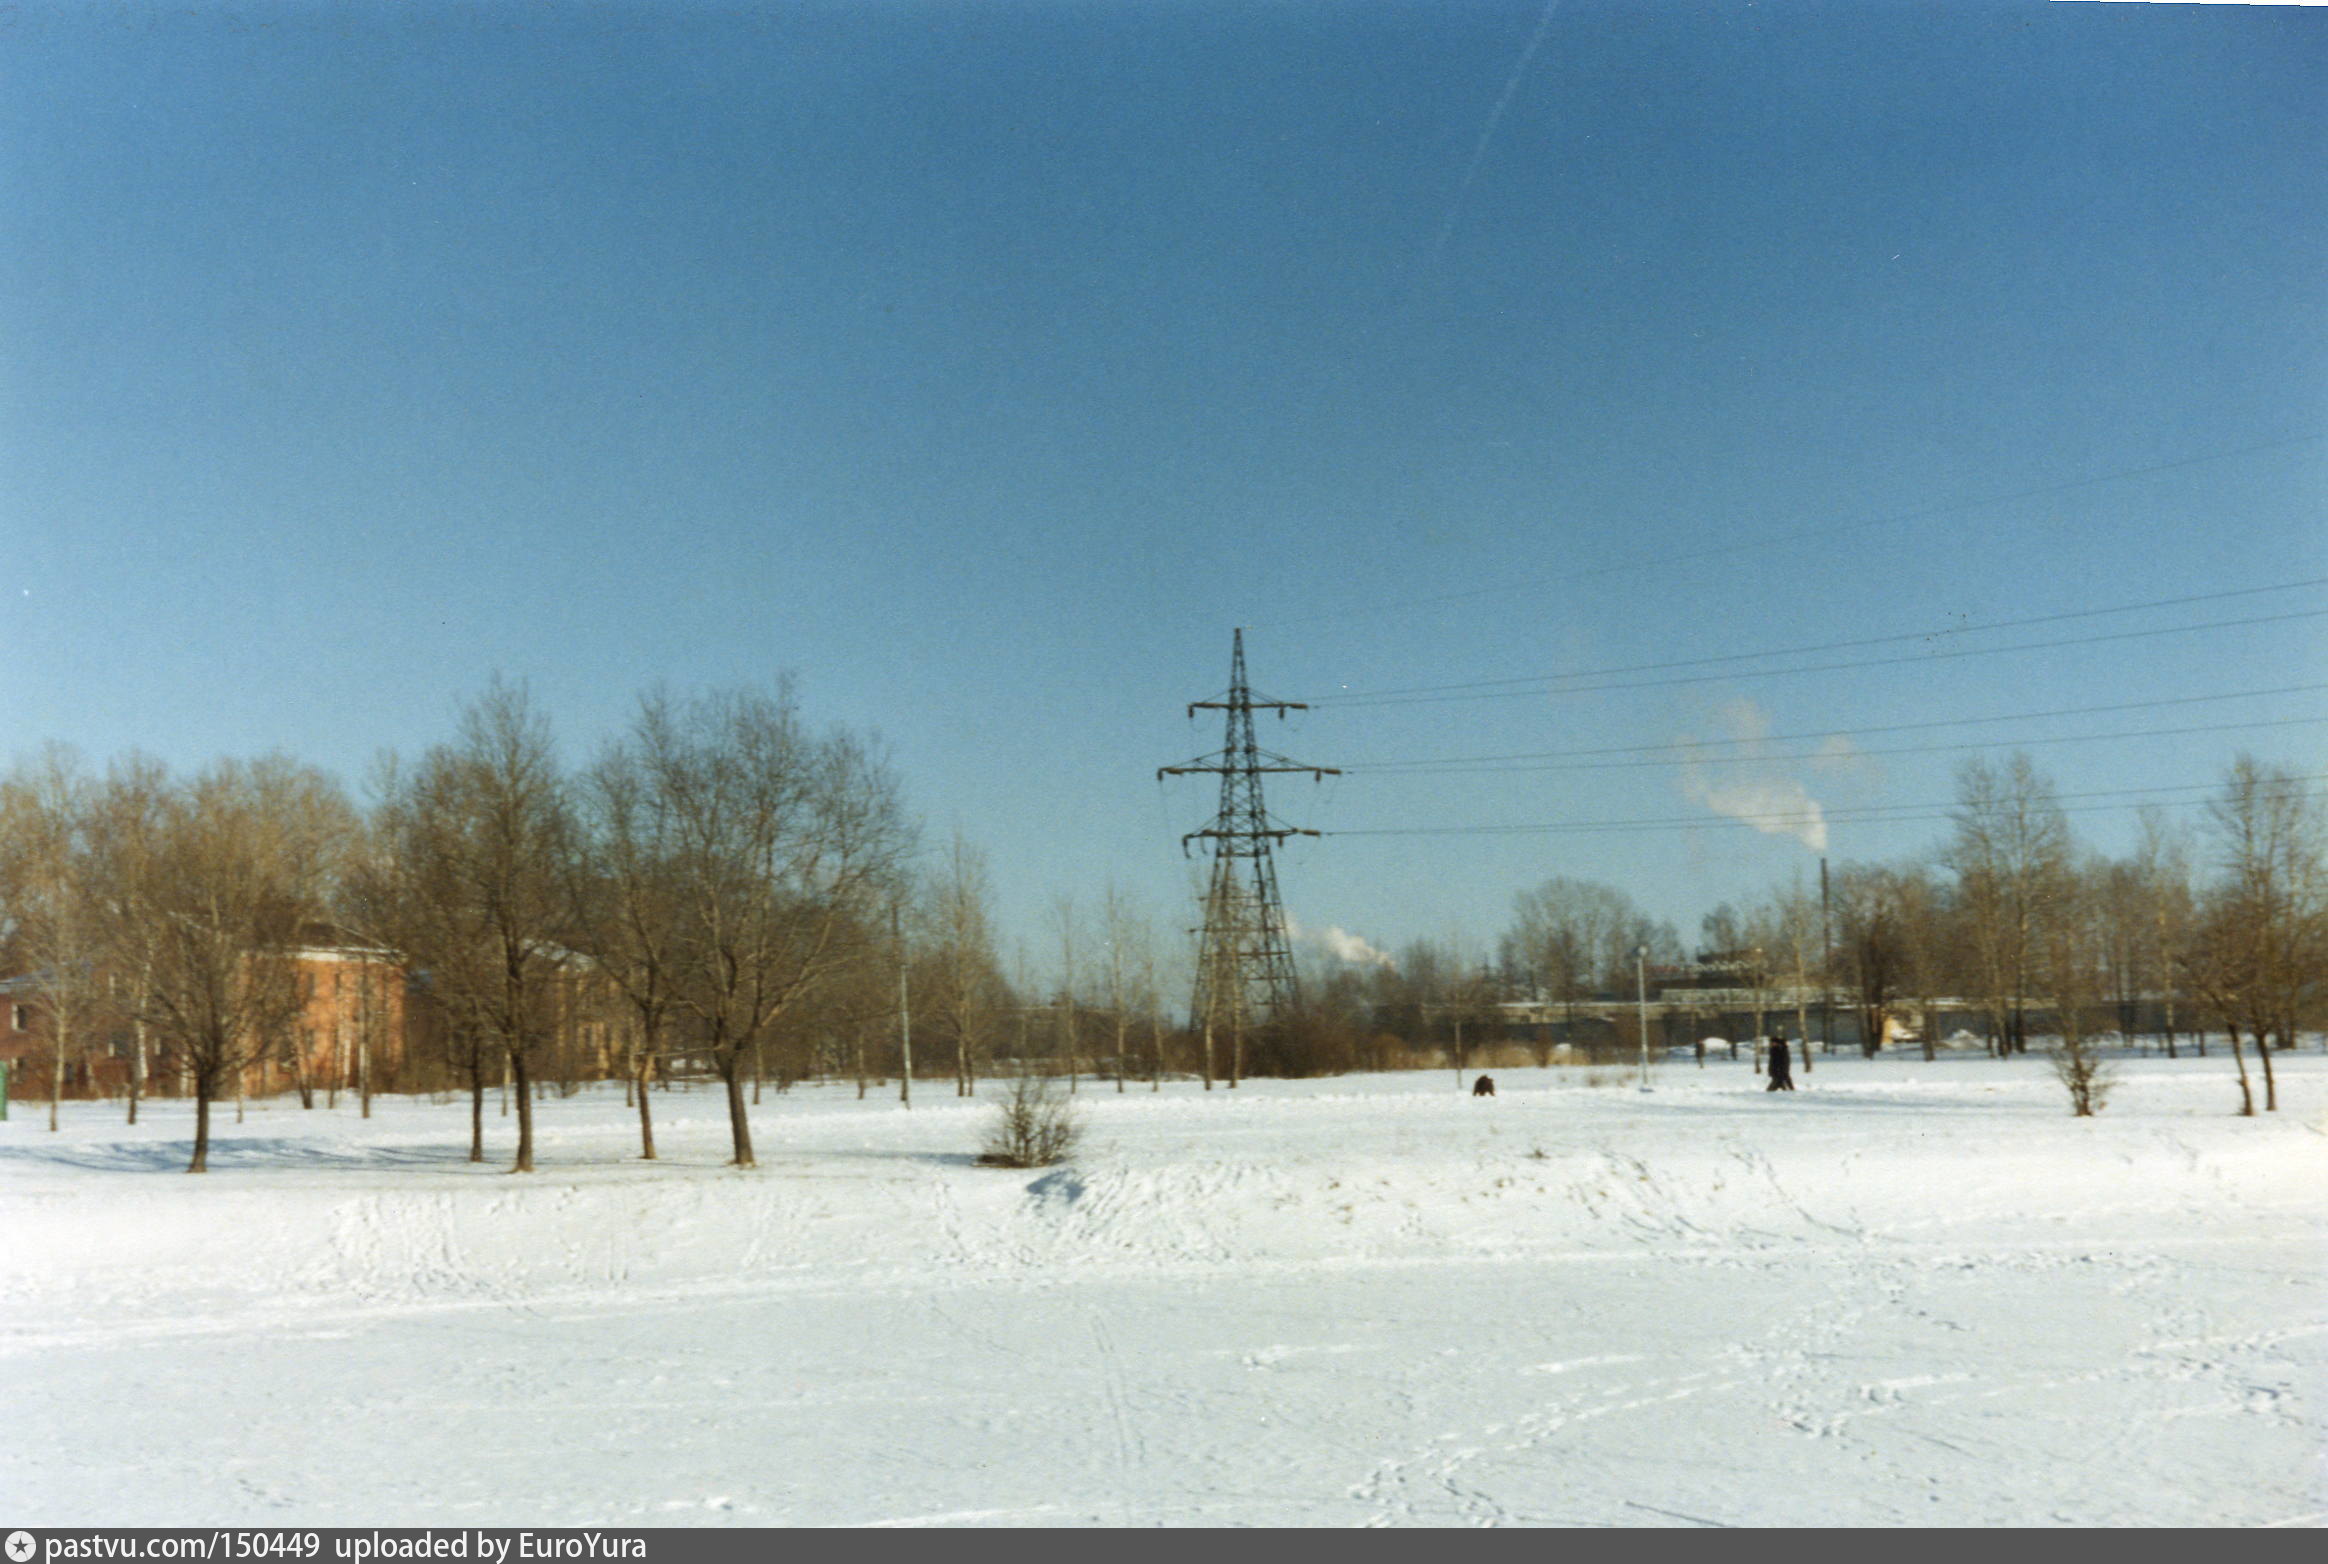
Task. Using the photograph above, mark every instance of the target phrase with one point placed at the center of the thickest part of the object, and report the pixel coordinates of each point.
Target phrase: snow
(1909, 1294)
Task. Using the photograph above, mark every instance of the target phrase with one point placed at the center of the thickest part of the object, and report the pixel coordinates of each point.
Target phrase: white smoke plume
(1773, 806)
(1338, 943)
(1754, 786)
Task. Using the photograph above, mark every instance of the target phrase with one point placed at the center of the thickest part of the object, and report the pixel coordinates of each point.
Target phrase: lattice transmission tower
(1244, 968)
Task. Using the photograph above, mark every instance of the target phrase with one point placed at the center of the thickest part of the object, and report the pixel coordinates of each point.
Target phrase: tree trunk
(137, 1070)
(57, 1075)
(2270, 1086)
(2246, 1095)
(646, 1113)
(525, 1112)
(739, 1122)
(202, 1090)
(476, 1109)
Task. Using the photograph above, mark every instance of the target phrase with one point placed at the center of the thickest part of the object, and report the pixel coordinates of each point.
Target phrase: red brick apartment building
(351, 1023)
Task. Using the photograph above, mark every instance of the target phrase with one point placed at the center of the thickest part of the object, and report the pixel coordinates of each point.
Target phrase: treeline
(2009, 916)
(722, 893)
(711, 881)
(725, 893)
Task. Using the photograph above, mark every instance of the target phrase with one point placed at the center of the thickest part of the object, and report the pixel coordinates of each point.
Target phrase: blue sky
(984, 365)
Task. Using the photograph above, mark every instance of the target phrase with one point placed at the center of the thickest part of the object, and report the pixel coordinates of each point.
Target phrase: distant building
(351, 1021)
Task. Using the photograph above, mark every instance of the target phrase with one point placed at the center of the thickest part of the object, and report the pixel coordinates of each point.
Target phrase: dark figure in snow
(1781, 1067)
(1483, 1087)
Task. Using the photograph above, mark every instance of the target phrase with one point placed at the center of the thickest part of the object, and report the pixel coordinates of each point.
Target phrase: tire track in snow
(1131, 1453)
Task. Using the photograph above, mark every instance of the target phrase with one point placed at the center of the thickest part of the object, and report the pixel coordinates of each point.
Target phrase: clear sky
(985, 364)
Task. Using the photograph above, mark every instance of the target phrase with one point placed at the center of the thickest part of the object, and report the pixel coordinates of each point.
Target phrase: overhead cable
(1532, 679)
(1350, 702)
(1831, 733)
(1782, 819)
(1457, 770)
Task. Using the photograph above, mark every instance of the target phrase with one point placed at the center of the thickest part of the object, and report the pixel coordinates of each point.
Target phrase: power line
(1365, 696)
(1417, 769)
(1886, 814)
(1896, 518)
(1868, 662)
(1895, 727)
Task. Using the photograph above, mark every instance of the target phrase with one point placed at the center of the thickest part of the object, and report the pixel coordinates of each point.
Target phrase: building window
(23, 1018)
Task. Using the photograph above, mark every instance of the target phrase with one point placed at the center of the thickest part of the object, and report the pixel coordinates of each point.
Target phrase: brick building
(351, 1022)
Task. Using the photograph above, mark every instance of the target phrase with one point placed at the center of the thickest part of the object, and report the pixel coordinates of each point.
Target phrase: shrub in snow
(2079, 1064)
(1033, 1127)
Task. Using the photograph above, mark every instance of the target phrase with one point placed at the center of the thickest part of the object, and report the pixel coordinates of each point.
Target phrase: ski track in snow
(1911, 1295)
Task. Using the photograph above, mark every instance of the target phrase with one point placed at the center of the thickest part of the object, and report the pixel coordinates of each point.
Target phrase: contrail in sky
(1487, 131)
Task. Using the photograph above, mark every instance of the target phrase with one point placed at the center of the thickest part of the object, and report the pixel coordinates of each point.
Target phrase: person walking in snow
(1781, 1066)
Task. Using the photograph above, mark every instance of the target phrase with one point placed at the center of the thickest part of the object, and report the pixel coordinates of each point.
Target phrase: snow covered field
(1910, 1293)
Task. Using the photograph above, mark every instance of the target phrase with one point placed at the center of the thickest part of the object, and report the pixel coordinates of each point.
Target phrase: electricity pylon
(1244, 968)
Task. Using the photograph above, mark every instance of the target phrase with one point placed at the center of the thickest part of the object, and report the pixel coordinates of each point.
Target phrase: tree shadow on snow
(230, 1153)
(927, 1159)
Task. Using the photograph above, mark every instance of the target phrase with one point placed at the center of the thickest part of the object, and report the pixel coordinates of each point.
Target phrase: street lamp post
(1641, 975)
(904, 1009)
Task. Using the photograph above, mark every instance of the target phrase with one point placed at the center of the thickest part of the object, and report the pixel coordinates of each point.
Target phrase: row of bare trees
(720, 891)
(722, 888)
(2224, 925)
(169, 910)
(714, 873)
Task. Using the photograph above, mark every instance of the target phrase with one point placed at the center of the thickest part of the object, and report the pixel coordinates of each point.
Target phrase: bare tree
(240, 865)
(1071, 975)
(1130, 974)
(2070, 964)
(123, 829)
(2219, 966)
(2267, 906)
(1785, 929)
(2011, 856)
(482, 838)
(2162, 878)
(788, 847)
(55, 920)
(1927, 925)
(1872, 915)
(1468, 999)
(1566, 934)
(633, 906)
(964, 984)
